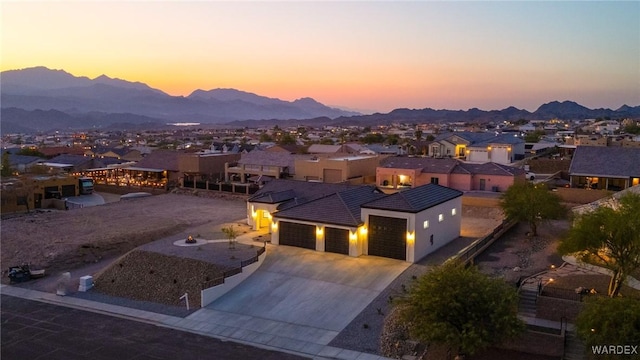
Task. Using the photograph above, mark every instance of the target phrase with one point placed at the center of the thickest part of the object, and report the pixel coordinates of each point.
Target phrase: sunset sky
(369, 56)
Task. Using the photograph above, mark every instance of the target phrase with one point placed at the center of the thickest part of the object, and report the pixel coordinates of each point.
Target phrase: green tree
(610, 321)
(460, 307)
(231, 235)
(30, 152)
(376, 138)
(6, 165)
(632, 129)
(430, 137)
(393, 139)
(264, 137)
(533, 203)
(610, 235)
(418, 134)
(326, 141)
(287, 139)
(534, 137)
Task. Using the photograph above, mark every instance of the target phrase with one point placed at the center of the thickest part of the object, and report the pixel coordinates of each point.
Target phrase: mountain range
(41, 99)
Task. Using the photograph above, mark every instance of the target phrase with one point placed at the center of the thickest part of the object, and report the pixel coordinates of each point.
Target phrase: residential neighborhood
(421, 195)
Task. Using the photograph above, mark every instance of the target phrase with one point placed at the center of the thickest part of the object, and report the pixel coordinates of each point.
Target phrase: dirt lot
(63, 240)
(517, 255)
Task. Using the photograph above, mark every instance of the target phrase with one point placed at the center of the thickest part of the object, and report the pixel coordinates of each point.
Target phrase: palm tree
(231, 234)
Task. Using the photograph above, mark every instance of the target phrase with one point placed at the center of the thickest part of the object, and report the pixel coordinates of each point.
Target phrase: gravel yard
(63, 240)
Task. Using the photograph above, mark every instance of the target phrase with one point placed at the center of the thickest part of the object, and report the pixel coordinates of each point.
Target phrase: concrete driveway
(300, 299)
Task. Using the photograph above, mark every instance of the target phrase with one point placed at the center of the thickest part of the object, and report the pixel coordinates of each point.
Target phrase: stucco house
(358, 220)
(354, 168)
(262, 163)
(600, 167)
(478, 147)
(402, 172)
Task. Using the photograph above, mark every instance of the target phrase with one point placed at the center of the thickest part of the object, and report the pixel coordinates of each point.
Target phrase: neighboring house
(23, 163)
(204, 166)
(53, 151)
(354, 168)
(501, 149)
(290, 149)
(610, 168)
(402, 172)
(325, 149)
(72, 163)
(539, 147)
(120, 153)
(25, 193)
(262, 163)
(527, 128)
(478, 147)
(158, 169)
(381, 149)
(360, 220)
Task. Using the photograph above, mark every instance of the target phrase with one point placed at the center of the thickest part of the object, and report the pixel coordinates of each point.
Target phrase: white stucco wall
(443, 232)
(207, 296)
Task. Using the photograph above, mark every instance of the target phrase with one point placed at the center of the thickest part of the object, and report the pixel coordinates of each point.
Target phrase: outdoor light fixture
(363, 230)
(318, 230)
(411, 236)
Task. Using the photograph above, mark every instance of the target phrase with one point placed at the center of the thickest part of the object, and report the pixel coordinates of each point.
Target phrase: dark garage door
(387, 237)
(68, 190)
(300, 235)
(336, 240)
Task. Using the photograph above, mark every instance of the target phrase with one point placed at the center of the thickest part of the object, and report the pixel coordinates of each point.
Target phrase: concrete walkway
(296, 300)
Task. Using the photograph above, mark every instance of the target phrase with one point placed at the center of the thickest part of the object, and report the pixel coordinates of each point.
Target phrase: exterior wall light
(411, 237)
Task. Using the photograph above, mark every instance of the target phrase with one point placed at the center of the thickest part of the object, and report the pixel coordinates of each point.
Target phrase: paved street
(36, 330)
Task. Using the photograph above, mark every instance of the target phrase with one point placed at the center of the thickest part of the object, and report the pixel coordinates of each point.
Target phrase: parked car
(530, 176)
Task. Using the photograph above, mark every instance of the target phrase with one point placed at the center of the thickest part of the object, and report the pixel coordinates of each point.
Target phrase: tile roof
(472, 137)
(341, 208)
(415, 200)
(268, 158)
(605, 161)
(480, 138)
(499, 139)
(291, 193)
(15, 159)
(57, 150)
(385, 149)
(71, 159)
(489, 168)
(427, 164)
(161, 159)
(324, 149)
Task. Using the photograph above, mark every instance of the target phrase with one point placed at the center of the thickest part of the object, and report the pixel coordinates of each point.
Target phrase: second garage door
(300, 235)
(387, 237)
(336, 240)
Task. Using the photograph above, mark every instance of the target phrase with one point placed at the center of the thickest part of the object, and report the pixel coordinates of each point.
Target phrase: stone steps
(574, 347)
(527, 303)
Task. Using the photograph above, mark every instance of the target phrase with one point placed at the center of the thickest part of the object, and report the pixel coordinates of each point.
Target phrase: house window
(441, 218)
(434, 180)
(425, 224)
(453, 212)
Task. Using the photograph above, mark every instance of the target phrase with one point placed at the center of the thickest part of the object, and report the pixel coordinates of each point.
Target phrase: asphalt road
(36, 330)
